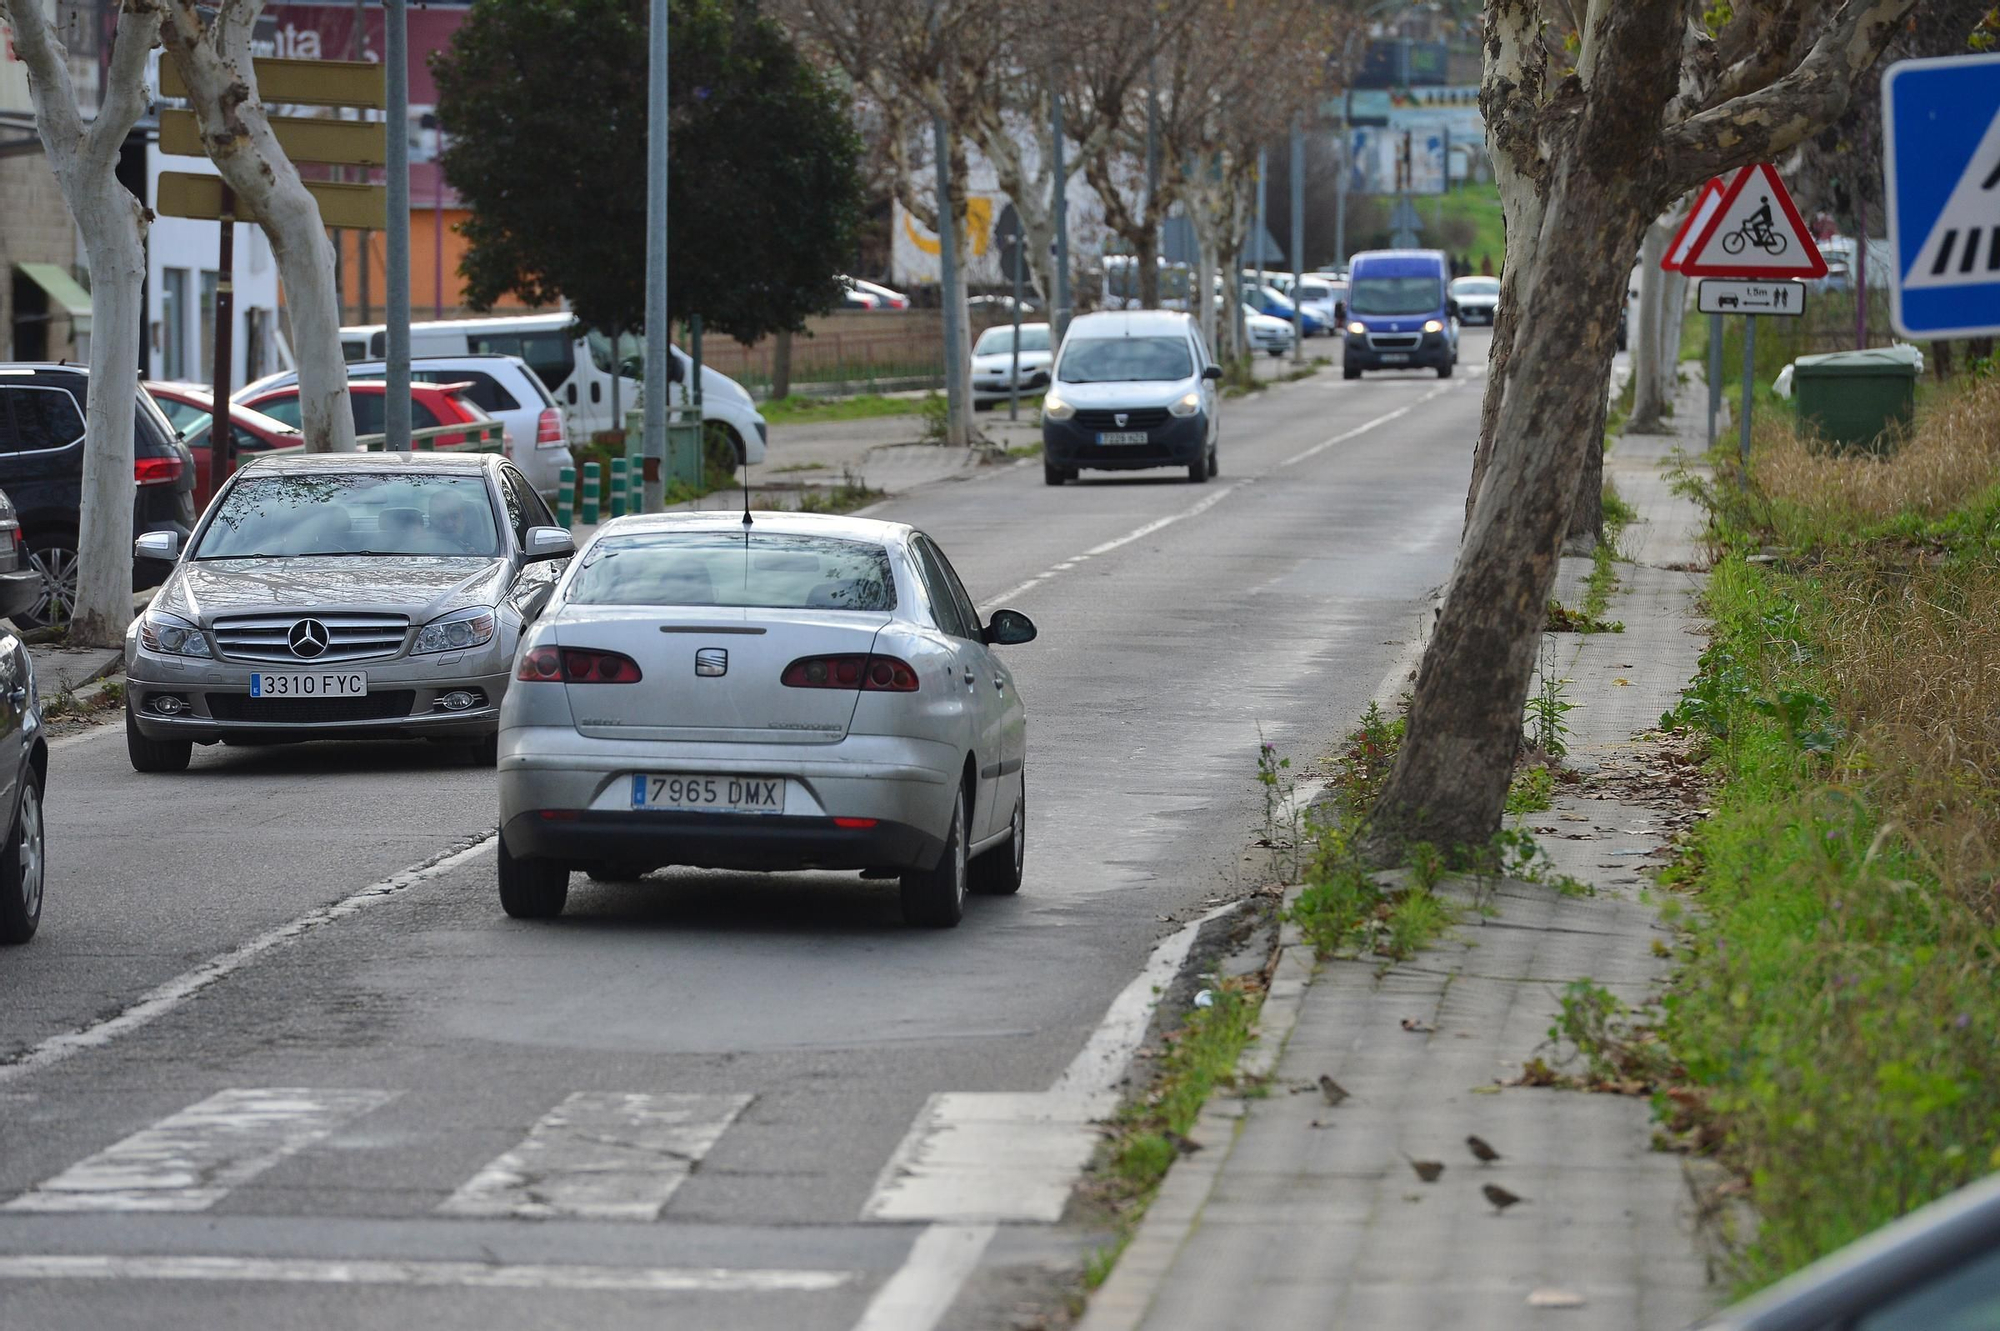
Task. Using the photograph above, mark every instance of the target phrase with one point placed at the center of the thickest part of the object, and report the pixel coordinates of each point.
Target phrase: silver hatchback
(341, 596)
(779, 691)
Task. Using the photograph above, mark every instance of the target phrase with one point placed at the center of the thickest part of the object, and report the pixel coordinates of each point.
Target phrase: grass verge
(801, 410)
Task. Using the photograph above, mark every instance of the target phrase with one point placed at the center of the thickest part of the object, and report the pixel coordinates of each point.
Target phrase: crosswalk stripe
(371, 1271)
(602, 1155)
(190, 1160)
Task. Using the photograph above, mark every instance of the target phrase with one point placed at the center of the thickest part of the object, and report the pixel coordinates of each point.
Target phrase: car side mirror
(1211, 371)
(1008, 628)
(675, 374)
(158, 545)
(549, 543)
(1451, 308)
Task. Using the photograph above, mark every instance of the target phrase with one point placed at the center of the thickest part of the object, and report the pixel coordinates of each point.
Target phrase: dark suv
(42, 414)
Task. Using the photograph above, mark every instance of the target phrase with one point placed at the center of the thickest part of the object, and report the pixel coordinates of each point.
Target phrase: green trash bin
(1857, 400)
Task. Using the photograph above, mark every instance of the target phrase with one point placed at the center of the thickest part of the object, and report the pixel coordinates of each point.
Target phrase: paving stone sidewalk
(1303, 1216)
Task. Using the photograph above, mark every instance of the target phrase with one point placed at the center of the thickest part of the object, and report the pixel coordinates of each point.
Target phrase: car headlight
(1186, 406)
(1357, 328)
(456, 631)
(1433, 326)
(171, 635)
(1055, 409)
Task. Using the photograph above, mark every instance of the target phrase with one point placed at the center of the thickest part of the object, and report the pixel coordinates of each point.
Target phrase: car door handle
(999, 683)
(968, 677)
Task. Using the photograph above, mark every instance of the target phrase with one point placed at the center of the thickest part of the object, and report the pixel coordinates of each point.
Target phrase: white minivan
(577, 369)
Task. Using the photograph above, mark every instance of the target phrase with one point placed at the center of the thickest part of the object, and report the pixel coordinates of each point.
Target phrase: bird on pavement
(1331, 1089)
(1185, 1145)
(1427, 1170)
(1500, 1197)
(1485, 1154)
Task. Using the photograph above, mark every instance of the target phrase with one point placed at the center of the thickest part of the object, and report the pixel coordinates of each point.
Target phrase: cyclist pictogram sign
(1754, 232)
(1691, 226)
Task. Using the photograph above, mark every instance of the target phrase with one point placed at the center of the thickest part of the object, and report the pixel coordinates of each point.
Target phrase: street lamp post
(659, 334)
(396, 391)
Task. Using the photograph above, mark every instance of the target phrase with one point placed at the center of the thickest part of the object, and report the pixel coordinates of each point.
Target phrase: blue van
(1399, 313)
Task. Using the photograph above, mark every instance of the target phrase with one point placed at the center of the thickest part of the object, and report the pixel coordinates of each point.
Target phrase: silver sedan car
(341, 596)
(778, 691)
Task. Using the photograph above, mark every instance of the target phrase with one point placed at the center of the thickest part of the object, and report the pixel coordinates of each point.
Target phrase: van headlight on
(1187, 405)
(1357, 328)
(1054, 408)
(456, 631)
(1433, 326)
(170, 635)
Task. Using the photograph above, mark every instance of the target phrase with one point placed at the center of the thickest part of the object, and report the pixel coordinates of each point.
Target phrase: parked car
(42, 421)
(993, 362)
(1269, 300)
(502, 386)
(24, 772)
(1325, 299)
(20, 581)
(884, 297)
(1477, 299)
(800, 692)
(341, 595)
(430, 405)
(253, 432)
(1133, 388)
(1937, 1268)
(1268, 334)
(1399, 313)
(999, 307)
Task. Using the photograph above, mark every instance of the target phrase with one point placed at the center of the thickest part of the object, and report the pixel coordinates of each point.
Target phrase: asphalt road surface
(278, 1060)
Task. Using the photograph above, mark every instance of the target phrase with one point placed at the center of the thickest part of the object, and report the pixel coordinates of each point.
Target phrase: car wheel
(1054, 475)
(154, 755)
(617, 873)
(1198, 469)
(1349, 372)
(1214, 462)
(934, 898)
(998, 872)
(1277, 353)
(531, 889)
(1444, 370)
(53, 555)
(22, 866)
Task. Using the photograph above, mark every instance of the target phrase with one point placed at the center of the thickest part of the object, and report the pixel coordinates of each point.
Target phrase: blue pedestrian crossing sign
(1941, 125)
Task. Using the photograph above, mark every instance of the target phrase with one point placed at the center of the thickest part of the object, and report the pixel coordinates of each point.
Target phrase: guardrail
(479, 437)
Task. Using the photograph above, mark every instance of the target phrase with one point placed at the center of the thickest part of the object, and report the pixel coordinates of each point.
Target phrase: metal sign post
(222, 439)
(1749, 377)
(396, 396)
(659, 332)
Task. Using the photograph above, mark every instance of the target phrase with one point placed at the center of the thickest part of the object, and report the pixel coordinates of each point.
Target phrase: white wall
(185, 245)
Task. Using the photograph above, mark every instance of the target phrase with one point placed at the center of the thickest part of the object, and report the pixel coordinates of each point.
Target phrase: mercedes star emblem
(308, 638)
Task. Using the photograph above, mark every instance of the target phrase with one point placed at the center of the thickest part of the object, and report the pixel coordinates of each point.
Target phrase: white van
(577, 370)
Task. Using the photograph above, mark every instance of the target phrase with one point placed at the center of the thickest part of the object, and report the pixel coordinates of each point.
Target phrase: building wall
(436, 290)
(35, 227)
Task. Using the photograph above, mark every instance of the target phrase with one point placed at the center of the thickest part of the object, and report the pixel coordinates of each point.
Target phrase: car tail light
(548, 429)
(577, 665)
(157, 471)
(875, 674)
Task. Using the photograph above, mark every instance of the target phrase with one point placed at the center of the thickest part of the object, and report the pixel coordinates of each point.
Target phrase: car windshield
(771, 570)
(352, 513)
(1394, 295)
(1000, 341)
(1476, 286)
(1103, 360)
(1314, 291)
(183, 415)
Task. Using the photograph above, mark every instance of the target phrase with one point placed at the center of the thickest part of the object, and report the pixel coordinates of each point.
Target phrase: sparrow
(1427, 1170)
(1485, 1154)
(1500, 1197)
(1331, 1089)
(1185, 1145)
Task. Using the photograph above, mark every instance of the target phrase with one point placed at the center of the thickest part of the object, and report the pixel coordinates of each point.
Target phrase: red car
(189, 407)
(430, 405)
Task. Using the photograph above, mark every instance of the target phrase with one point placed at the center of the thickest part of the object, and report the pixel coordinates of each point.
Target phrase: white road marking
(602, 1155)
(1364, 427)
(159, 1001)
(189, 1161)
(924, 1286)
(476, 1275)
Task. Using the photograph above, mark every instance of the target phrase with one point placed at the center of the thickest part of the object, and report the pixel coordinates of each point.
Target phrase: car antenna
(746, 489)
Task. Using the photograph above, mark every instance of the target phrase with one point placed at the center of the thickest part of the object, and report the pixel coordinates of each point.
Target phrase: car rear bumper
(716, 841)
(1176, 444)
(19, 589)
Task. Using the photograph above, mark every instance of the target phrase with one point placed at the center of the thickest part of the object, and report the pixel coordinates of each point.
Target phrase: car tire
(54, 554)
(1277, 353)
(616, 873)
(1214, 461)
(531, 889)
(934, 898)
(23, 868)
(154, 755)
(997, 873)
(1054, 475)
(1444, 370)
(1349, 372)
(1198, 469)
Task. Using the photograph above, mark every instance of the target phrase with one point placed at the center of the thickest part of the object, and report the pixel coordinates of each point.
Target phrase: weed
(1427, 864)
(1033, 450)
(1282, 817)
(851, 493)
(936, 412)
(1199, 1057)
(1562, 619)
(1532, 791)
(1416, 919)
(864, 406)
(1547, 707)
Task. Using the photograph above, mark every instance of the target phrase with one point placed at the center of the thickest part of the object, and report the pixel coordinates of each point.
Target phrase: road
(278, 1060)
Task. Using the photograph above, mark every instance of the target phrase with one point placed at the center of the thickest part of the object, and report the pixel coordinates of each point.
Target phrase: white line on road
(923, 1288)
(189, 1161)
(602, 1155)
(476, 1275)
(1364, 427)
(157, 1002)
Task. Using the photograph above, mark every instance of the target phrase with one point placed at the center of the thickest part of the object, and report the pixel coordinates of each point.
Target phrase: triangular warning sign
(1705, 204)
(1756, 231)
(1964, 243)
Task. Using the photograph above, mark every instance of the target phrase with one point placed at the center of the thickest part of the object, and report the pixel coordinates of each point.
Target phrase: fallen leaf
(1555, 1298)
(1622, 682)
(1486, 1090)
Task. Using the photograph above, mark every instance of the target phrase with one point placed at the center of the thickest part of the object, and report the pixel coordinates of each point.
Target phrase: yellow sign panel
(303, 82)
(182, 194)
(343, 142)
(978, 224)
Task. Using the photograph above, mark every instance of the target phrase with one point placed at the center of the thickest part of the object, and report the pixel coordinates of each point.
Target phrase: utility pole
(396, 393)
(951, 296)
(1013, 240)
(1263, 175)
(1298, 240)
(1152, 152)
(221, 438)
(659, 333)
(1059, 323)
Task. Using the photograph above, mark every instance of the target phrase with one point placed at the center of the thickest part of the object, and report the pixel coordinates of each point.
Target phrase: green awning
(62, 290)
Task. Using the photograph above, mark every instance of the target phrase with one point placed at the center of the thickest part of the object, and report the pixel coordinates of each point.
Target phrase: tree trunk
(1672, 316)
(1650, 396)
(1586, 514)
(1146, 254)
(1521, 209)
(214, 61)
(963, 432)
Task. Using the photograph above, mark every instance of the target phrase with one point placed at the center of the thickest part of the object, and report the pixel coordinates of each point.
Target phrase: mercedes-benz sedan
(340, 596)
(794, 692)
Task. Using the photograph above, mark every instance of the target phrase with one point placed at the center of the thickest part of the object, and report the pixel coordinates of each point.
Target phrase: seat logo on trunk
(711, 661)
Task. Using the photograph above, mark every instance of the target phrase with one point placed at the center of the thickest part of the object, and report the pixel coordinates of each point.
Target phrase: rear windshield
(1117, 359)
(1394, 295)
(353, 513)
(1476, 286)
(998, 341)
(773, 570)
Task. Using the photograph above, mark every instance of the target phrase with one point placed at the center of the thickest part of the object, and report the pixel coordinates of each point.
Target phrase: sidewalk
(1303, 1216)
